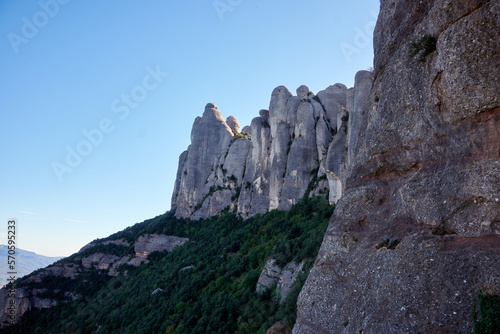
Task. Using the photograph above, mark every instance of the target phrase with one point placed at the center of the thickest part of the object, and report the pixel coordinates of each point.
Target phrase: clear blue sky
(69, 67)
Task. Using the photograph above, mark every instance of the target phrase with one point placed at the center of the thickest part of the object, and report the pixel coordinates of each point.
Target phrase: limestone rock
(180, 170)
(42, 302)
(283, 278)
(148, 243)
(255, 189)
(302, 159)
(247, 129)
(22, 305)
(210, 140)
(155, 291)
(335, 165)
(288, 148)
(359, 112)
(288, 276)
(234, 164)
(269, 276)
(264, 113)
(303, 91)
(99, 261)
(233, 123)
(333, 99)
(67, 270)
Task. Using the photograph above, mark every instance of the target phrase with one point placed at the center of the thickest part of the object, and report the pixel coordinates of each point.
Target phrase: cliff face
(410, 154)
(415, 235)
(298, 146)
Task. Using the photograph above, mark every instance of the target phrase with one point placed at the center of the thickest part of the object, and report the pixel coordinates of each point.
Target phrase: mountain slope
(26, 262)
(206, 285)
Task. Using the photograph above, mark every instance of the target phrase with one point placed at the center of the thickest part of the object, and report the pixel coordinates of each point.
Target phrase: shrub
(389, 243)
(488, 319)
(345, 118)
(423, 46)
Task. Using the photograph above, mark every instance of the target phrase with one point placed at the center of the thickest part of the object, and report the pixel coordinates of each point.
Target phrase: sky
(98, 97)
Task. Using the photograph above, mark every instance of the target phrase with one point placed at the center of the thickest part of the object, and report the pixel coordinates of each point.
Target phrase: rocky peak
(294, 145)
(303, 92)
(247, 129)
(233, 123)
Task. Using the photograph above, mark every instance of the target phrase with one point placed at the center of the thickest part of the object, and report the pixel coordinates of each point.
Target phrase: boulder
(233, 123)
(303, 92)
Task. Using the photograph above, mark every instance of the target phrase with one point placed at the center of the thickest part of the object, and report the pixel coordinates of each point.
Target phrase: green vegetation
(211, 191)
(345, 118)
(236, 195)
(423, 46)
(389, 243)
(488, 319)
(241, 135)
(216, 295)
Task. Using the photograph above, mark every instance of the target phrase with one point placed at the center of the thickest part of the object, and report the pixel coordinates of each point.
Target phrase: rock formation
(415, 235)
(298, 145)
(282, 278)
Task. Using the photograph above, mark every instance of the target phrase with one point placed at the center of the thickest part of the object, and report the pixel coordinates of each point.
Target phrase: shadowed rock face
(425, 171)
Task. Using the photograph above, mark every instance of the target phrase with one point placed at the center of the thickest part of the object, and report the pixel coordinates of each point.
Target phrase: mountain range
(26, 262)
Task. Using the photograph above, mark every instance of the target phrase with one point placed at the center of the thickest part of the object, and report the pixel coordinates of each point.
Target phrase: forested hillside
(207, 285)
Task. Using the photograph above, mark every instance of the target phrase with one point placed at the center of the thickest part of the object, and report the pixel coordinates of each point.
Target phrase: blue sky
(98, 97)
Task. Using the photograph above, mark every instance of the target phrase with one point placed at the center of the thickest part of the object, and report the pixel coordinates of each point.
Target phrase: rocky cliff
(415, 236)
(299, 146)
(410, 155)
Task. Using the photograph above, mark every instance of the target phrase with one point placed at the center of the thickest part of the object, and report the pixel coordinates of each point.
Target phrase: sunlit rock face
(300, 145)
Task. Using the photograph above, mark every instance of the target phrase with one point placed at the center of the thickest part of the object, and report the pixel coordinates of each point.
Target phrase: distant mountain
(26, 262)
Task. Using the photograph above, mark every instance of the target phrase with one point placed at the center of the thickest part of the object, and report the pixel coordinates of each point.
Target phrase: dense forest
(208, 285)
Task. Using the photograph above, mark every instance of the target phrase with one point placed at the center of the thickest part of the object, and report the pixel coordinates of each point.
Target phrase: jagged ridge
(299, 138)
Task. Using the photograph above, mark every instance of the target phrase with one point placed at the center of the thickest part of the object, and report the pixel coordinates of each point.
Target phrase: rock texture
(148, 243)
(424, 175)
(300, 144)
(283, 278)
